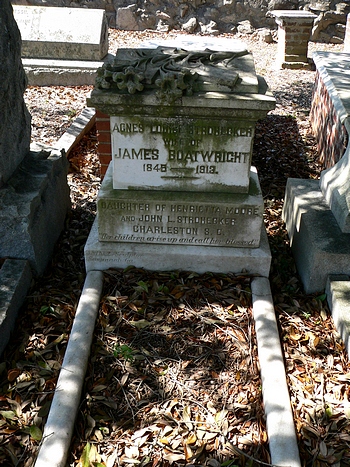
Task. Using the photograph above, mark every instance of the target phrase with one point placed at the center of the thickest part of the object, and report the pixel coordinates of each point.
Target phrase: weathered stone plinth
(33, 208)
(319, 246)
(100, 256)
(294, 29)
(180, 193)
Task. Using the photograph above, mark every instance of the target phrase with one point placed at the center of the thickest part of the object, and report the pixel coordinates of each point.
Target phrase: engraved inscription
(198, 224)
(181, 154)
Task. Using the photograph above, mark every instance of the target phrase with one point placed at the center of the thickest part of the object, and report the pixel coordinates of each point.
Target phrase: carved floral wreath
(171, 71)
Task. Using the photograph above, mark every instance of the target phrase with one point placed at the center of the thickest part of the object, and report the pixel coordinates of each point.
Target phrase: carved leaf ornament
(172, 72)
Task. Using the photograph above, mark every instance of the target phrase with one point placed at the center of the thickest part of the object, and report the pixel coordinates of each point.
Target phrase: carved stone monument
(34, 194)
(180, 192)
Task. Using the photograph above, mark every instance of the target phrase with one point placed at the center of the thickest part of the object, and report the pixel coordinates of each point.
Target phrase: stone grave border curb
(60, 424)
(279, 417)
(78, 129)
(15, 274)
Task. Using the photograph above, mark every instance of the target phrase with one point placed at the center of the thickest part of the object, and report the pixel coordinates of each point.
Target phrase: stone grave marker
(14, 116)
(34, 194)
(62, 33)
(180, 192)
(294, 31)
(62, 46)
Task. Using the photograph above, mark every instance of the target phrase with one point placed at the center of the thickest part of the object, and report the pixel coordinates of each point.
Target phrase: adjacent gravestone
(14, 116)
(181, 192)
(62, 46)
(34, 194)
(62, 33)
(317, 212)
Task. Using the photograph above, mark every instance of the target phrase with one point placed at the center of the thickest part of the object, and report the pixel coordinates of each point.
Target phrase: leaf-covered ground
(174, 373)
(162, 386)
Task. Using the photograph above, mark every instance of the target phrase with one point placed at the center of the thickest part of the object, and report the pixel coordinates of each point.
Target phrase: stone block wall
(211, 16)
(330, 133)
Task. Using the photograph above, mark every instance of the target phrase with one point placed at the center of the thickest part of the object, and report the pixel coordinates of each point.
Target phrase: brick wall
(104, 140)
(330, 133)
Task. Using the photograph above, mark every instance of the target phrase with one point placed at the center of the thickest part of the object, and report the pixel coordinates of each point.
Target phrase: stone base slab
(294, 65)
(33, 208)
(319, 247)
(15, 279)
(104, 255)
(49, 72)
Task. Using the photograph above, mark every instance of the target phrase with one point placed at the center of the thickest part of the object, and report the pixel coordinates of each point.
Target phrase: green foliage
(125, 352)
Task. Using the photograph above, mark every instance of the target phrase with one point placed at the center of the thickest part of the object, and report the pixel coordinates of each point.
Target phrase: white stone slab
(180, 218)
(192, 42)
(62, 33)
(105, 255)
(181, 153)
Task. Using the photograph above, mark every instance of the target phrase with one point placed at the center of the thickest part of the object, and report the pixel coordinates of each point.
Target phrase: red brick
(103, 125)
(105, 159)
(105, 148)
(104, 136)
(99, 114)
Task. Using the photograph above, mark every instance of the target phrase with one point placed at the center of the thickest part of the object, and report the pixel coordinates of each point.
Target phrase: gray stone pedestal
(169, 231)
(319, 246)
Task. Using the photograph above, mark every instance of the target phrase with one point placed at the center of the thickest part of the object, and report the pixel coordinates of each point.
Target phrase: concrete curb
(280, 425)
(81, 125)
(60, 423)
(279, 417)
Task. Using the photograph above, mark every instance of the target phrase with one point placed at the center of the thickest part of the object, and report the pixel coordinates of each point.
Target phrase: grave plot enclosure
(182, 126)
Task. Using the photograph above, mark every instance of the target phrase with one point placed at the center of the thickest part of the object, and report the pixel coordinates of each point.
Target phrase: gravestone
(34, 194)
(180, 192)
(62, 33)
(62, 46)
(14, 116)
(317, 212)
